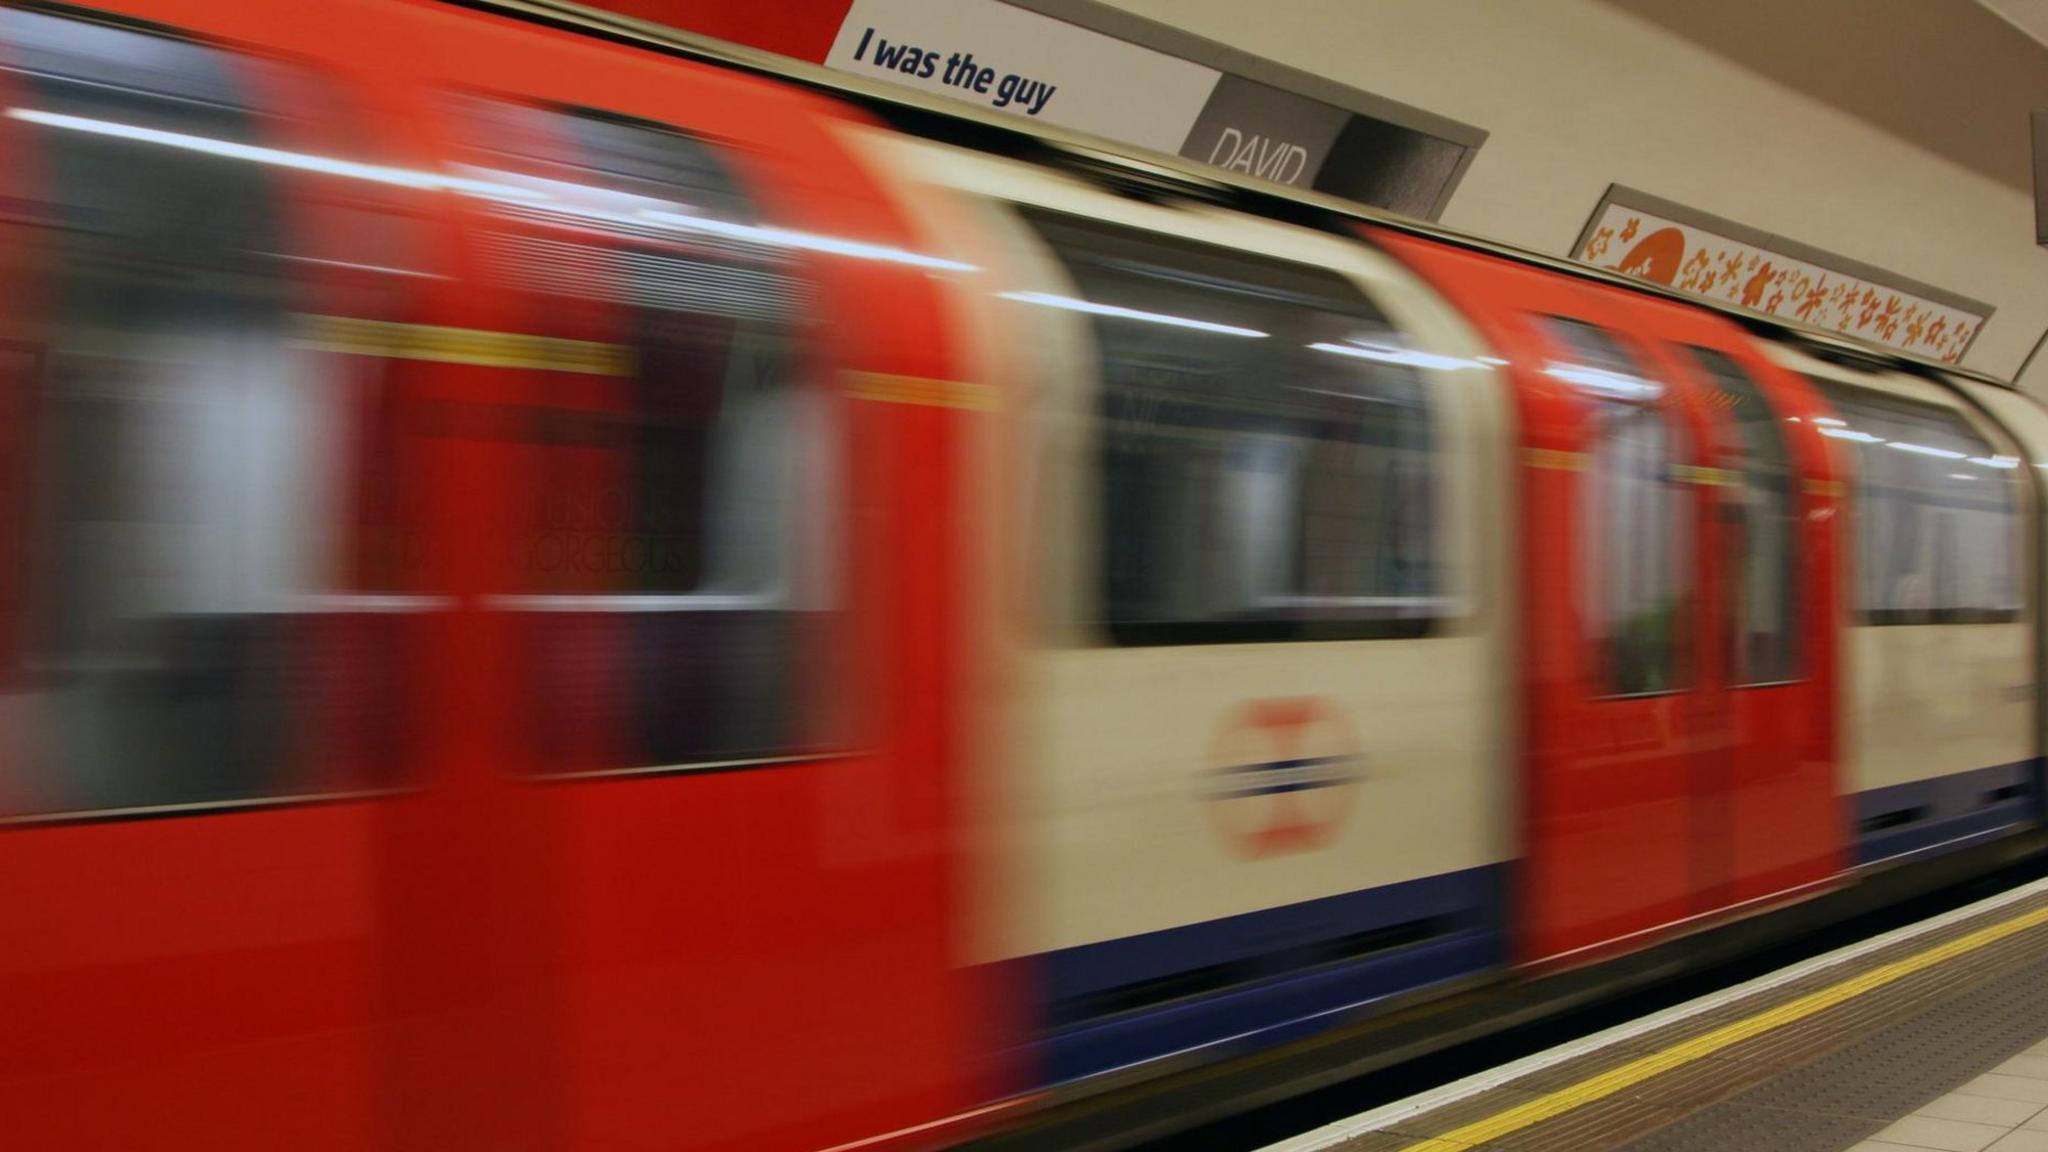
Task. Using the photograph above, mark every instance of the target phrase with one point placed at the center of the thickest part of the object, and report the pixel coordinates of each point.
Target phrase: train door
(1627, 836)
(1619, 839)
(731, 426)
(199, 714)
(1764, 744)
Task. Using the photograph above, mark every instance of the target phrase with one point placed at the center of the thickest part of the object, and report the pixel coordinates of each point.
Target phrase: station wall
(1885, 133)
(1579, 94)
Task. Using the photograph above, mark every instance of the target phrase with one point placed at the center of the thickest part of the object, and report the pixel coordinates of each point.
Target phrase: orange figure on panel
(1656, 258)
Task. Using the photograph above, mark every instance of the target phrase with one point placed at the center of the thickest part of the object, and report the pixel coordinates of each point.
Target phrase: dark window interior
(1267, 458)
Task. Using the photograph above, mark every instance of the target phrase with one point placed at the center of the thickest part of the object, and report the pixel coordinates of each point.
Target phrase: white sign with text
(1020, 62)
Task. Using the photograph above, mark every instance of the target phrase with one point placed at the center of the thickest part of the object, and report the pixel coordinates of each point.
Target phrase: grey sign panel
(2040, 177)
(1264, 131)
(1376, 162)
(1288, 138)
(1294, 127)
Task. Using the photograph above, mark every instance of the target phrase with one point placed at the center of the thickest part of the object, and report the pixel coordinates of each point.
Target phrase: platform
(1931, 1037)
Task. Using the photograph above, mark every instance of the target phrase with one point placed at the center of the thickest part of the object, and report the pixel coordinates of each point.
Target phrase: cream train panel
(1128, 843)
(1936, 699)
(1925, 700)
(2026, 421)
(1117, 828)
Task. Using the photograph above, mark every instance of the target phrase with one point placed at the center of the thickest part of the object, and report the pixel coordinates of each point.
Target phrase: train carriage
(553, 595)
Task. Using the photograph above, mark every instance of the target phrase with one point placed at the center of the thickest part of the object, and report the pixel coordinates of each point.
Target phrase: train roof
(1142, 172)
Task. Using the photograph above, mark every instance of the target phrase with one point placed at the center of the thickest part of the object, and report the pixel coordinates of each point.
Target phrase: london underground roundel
(1281, 775)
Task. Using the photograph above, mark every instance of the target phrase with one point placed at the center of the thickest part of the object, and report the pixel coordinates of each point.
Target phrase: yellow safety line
(1685, 1052)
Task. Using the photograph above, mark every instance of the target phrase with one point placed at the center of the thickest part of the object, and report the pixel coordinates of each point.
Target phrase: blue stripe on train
(1946, 812)
(1277, 990)
(1278, 987)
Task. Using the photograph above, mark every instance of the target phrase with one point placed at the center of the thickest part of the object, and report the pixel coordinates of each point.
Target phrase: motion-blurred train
(555, 594)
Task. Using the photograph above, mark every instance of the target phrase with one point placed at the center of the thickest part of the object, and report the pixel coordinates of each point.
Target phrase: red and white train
(555, 595)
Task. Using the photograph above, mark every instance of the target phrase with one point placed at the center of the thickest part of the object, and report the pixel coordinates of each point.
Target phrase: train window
(1266, 448)
(1637, 552)
(189, 639)
(658, 589)
(1936, 516)
(1763, 573)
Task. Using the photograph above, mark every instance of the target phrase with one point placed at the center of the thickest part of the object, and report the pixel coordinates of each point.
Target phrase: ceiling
(1953, 77)
(2029, 16)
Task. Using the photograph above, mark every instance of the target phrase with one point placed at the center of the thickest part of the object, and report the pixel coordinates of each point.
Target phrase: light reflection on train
(552, 596)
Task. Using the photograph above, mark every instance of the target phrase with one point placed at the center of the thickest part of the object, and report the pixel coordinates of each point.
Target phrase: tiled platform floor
(1933, 1023)
(2004, 1110)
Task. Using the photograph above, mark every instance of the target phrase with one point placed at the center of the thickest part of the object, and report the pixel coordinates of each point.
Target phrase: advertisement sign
(1763, 278)
(1039, 60)
(1025, 64)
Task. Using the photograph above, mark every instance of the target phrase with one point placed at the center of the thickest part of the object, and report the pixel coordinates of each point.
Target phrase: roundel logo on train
(1281, 775)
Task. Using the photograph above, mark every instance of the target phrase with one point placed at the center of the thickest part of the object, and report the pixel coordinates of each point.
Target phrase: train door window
(1636, 552)
(188, 449)
(1763, 563)
(663, 597)
(1936, 522)
(1266, 452)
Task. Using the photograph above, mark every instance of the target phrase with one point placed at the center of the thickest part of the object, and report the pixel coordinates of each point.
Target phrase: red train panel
(621, 955)
(1770, 601)
(1663, 781)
